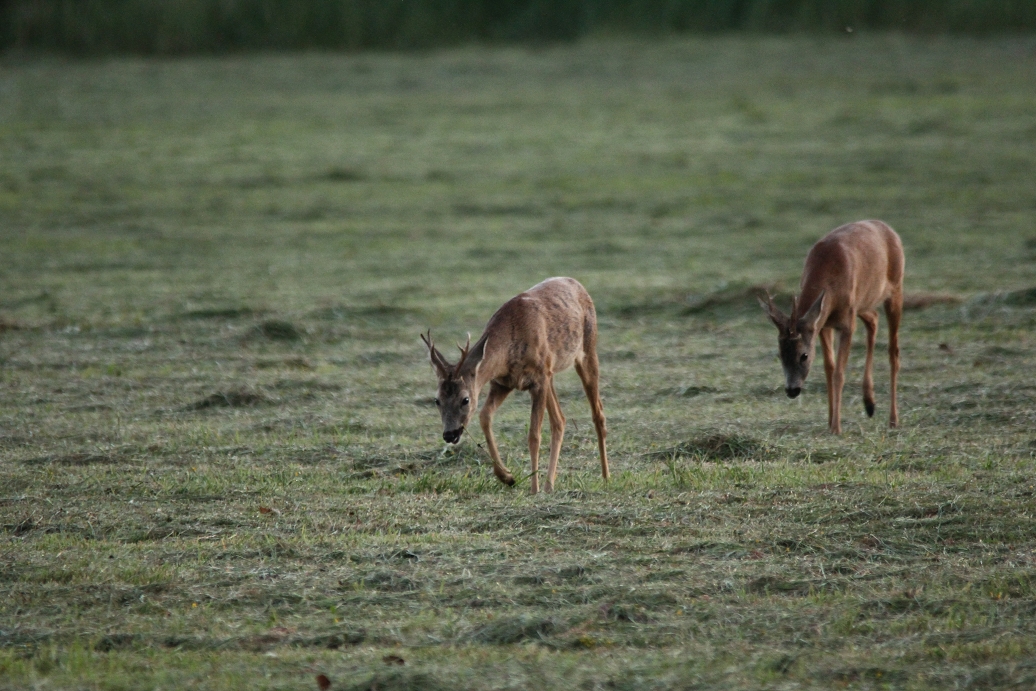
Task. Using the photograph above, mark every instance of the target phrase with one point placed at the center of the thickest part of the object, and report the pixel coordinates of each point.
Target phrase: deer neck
(493, 365)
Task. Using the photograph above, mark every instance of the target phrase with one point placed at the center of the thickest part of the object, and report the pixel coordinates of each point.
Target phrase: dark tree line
(187, 26)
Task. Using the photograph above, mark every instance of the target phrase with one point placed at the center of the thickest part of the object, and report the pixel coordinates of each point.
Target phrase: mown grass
(221, 462)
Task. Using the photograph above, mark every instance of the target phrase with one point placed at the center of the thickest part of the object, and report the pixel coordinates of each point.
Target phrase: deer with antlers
(533, 336)
(848, 273)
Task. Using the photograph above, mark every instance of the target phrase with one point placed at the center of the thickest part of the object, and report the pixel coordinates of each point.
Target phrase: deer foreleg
(557, 434)
(827, 348)
(589, 374)
(539, 404)
(893, 312)
(870, 321)
(497, 394)
(845, 340)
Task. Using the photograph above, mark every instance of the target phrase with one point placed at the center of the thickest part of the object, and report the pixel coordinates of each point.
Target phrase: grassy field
(221, 466)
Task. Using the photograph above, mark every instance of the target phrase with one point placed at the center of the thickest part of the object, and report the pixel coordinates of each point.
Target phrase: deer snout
(793, 391)
(452, 436)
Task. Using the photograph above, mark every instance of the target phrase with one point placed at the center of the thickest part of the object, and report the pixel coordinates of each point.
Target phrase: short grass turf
(221, 463)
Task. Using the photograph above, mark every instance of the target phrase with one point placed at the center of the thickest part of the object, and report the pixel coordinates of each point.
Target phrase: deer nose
(793, 391)
(452, 436)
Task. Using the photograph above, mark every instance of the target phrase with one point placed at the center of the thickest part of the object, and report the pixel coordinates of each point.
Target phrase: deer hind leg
(893, 313)
(589, 374)
(497, 394)
(827, 347)
(557, 434)
(539, 404)
(845, 340)
(870, 321)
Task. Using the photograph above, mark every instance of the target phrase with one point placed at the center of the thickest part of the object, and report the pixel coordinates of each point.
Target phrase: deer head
(457, 397)
(795, 340)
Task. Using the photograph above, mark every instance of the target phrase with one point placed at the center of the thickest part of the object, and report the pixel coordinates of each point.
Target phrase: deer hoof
(870, 408)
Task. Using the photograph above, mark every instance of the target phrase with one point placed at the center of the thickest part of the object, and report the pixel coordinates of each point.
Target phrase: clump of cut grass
(234, 398)
(402, 679)
(688, 391)
(219, 313)
(1024, 297)
(719, 447)
(920, 301)
(339, 174)
(731, 297)
(521, 629)
(296, 362)
(78, 459)
(9, 325)
(1021, 298)
(390, 581)
(278, 330)
(624, 612)
(366, 313)
(118, 641)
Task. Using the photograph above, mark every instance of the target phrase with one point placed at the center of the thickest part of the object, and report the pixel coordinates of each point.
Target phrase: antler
(463, 353)
(438, 361)
(776, 316)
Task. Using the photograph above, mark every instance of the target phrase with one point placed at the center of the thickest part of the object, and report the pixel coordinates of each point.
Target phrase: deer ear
(811, 319)
(442, 368)
(474, 357)
(775, 315)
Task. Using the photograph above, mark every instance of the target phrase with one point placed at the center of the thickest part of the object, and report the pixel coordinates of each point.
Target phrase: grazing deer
(848, 273)
(533, 336)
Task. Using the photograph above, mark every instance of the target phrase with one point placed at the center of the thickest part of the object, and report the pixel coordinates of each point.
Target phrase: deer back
(538, 333)
(856, 266)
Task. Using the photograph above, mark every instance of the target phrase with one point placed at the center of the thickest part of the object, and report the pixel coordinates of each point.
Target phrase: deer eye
(803, 357)
(465, 401)
(436, 402)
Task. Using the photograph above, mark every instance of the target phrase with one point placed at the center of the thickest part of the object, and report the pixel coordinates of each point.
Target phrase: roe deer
(848, 273)
(533, 336)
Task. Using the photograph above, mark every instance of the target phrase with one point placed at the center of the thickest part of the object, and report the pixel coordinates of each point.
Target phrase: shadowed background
(187, 26)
